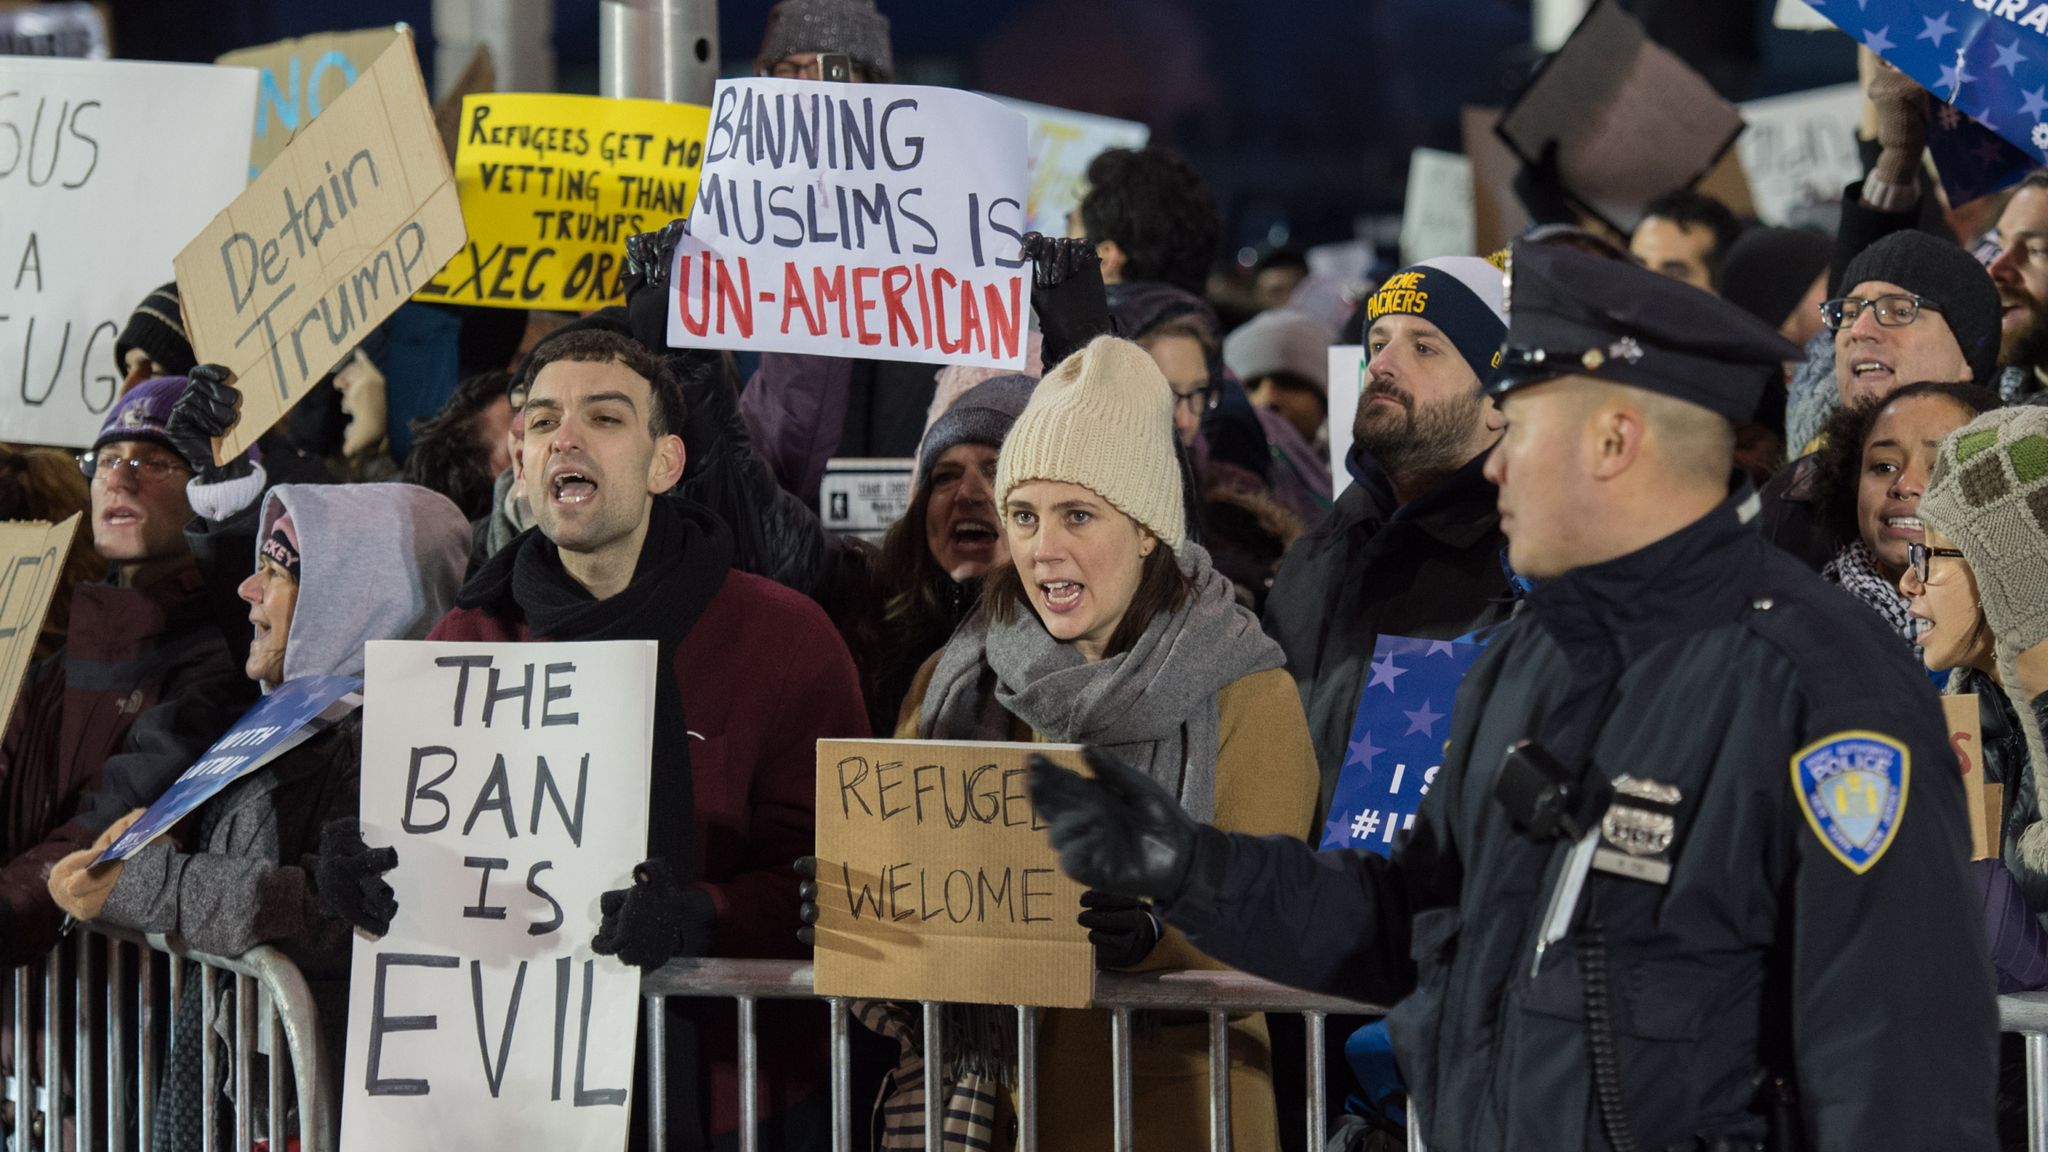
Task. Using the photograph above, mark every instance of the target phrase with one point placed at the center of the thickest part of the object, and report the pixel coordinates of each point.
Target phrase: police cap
(1571, 313)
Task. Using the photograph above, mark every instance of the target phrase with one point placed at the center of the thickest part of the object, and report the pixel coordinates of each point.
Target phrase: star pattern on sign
(1949, 117)
(1422, 720)
(2009, 58)
(2033, 103)
(1987, 153)
(1442, 648)
(1878, 40)
(1363, 752)
(1983, 116)
(1937, 29)
(1953, 78)
(1384, 672)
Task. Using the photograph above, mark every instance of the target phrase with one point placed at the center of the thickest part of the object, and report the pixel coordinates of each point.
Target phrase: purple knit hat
(142, 412)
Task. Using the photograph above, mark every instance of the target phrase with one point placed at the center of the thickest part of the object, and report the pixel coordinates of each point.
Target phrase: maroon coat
(764, 677)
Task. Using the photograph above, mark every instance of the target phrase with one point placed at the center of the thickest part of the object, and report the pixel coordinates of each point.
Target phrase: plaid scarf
(974, 1103)
(1855, 569)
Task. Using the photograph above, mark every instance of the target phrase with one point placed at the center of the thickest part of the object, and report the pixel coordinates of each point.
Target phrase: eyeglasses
(139, 467)
(1201, 400)
(1893, 311)
(1917, 556)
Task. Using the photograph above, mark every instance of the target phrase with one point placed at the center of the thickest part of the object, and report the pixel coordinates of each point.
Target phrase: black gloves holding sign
(655, 920)
(1119, 833)
(203, 413)
(646, 283)
(349, 875)
(1067, 294)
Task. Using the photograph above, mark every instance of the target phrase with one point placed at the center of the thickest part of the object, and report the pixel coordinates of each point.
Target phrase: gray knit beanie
(1989, 494)
(982, 415)
(849, 26)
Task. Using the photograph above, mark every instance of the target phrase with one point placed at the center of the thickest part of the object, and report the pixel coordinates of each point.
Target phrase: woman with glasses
(1871, 469)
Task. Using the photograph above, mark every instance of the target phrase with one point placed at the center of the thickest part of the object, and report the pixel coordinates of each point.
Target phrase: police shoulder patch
(1852, 786)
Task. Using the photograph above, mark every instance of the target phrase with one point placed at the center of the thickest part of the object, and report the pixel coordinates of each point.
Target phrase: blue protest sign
(278, 723)
(1989, 59)
(1973, 160)
(1397, 739)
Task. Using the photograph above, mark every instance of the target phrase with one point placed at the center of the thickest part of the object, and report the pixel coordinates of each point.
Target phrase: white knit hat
(1103, 419)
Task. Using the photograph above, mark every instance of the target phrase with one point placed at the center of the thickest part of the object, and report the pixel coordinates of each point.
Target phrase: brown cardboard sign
(1984, 801)
(936, 881)
(31, 561)
(298, 78)
(354, 216)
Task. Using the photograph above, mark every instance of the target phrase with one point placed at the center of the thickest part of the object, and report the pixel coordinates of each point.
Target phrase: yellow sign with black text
(552, 186)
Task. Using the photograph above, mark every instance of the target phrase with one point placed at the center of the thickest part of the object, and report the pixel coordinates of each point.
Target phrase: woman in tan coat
(1110, 628)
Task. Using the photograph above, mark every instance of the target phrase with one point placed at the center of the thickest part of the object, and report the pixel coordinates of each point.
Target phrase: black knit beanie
(1768, 270)
(158, 328)
(1952, 278)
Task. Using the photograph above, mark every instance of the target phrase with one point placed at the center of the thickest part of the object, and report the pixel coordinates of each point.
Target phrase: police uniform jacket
(1833, 941)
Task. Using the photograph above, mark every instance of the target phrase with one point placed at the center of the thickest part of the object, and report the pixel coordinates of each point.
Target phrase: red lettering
(793, 298)
(742, 299)
(863, 304)
(972, 338)
(695, 323)
(924, 305)
(940, 279)
(1005, 324)
(895, 283)
(829, 292)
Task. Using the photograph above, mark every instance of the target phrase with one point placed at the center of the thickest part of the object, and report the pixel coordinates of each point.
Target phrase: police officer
(1693, 868)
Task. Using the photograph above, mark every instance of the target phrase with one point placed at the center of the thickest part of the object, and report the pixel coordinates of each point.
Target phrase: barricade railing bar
(94, 1023)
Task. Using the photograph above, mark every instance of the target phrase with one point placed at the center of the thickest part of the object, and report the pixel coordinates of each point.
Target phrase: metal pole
(1120, 1101)
(750, 1074)
(2037, 1092)
(658, 49)
(1027, 1078)
(117, 1044)
(934, 1059)
(1318, 1099)
(85, 1035)
(1219, 1082)
(842, 1075)
(519, 34)
(657, 1074)
(53, 1051)
(24, 1060)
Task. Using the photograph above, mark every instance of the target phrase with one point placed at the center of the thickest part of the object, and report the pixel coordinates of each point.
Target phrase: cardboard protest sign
(76, 30)
(1988, 59)
(1497, 214)
(1397, 739)
(1800, 149)
(936, 881)
(300, 77)
(1986, 801)
(1436, 216)
(288, 717)
(1062, 145)
(551, 187)
(355, 215)
(1631, 120)
(863, 497)
(878, 221)
(94, 144)
(1347, 380)
(512, 779)
(31, 561)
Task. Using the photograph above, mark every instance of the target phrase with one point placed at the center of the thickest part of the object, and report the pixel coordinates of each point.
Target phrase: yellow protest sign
(935, 879)
(356, 214)
(31, 561)
(553, 185)
(299, 78)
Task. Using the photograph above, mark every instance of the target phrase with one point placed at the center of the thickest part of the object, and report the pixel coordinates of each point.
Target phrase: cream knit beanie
(1989, 494)
(1102, 419)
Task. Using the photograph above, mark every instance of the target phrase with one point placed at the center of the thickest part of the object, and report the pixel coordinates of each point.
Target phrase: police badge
(1637, 830)
(1852, 787)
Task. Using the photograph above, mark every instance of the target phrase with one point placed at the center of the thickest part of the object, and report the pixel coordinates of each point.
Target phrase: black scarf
(682, 566)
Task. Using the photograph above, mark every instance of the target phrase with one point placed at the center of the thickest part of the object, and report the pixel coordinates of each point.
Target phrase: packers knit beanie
(1942, 272)
(1461, 295)
(1103, 420)
(1989, 494)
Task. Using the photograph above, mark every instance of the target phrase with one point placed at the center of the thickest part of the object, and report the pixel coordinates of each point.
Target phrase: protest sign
(358, 212)
(1497, 213)
(1631, 121)
(1436, 217)
(31, 561)
(113, 166)
(551, 187)
(1800, 149)
(863, 497)
(1347, 380)
(297, 78)
(288, 717)
(936, 881)
(75, 30)
(512, 780)
(877, 221)
(1985, 801)
(1397, 739)
(1798, 16)
(1988, 59)
(1062, 145)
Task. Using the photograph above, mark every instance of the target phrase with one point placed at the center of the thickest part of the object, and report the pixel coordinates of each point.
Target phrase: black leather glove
(646, 282)
(1067, 294)
(1124, 931)
(1118, 833)
(349, 875)
(807, 891)
(204, 412)
(653, 921)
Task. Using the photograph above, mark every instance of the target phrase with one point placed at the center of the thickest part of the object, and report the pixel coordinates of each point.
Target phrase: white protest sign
(1347, 379)
(512, 780)
(878, 221)
(1063, 144)
(1799, 16)
(107, 168)
(1436, 217)
(1800, 149)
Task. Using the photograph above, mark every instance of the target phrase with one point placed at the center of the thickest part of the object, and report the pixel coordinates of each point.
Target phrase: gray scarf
(1153, 706)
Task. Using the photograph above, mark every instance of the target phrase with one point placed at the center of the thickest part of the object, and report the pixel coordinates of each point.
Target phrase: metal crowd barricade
(1219, 995)
(103, 1077)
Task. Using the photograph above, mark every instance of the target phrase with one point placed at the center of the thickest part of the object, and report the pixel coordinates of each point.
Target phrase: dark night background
(1300, 113)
